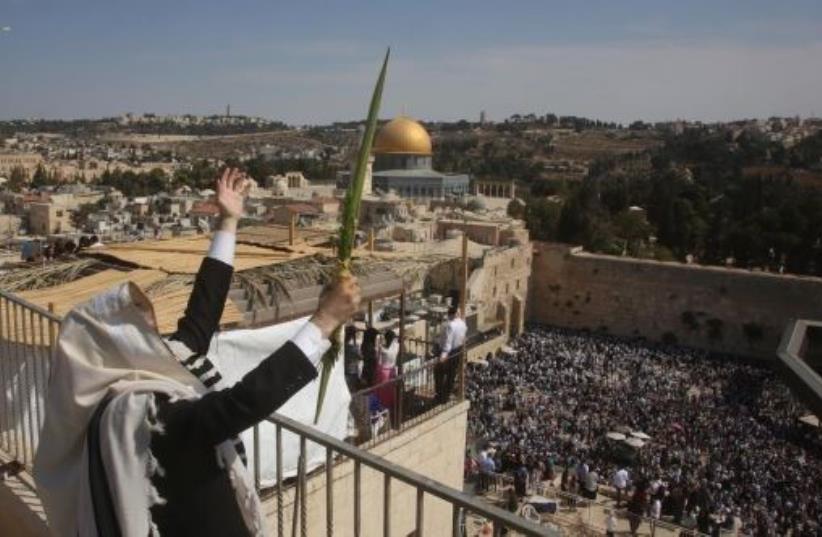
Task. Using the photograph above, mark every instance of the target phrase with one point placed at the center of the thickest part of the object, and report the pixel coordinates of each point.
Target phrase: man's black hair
(452, 311)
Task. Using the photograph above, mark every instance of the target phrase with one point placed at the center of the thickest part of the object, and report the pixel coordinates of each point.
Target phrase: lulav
(348, 226)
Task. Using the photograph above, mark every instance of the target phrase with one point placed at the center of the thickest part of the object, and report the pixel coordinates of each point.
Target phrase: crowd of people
(726, 446)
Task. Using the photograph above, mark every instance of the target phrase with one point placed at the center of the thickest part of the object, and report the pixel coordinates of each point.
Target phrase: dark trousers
(444, 375)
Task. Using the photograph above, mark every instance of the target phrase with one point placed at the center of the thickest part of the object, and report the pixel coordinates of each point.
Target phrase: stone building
(490, 232)
(499, 287)
(495, 189)
(49, 218)
(498, 282)
(9, 225)
(383, 209)
(303, 212)
(28, 162)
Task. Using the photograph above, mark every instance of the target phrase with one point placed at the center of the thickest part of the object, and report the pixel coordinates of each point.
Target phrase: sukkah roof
(184, 255)
(273, 236)
(36, 276)
(276, 293)
(288, 281)
(169, 301)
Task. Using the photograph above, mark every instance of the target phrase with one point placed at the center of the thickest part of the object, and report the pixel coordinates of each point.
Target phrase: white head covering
(110, 344)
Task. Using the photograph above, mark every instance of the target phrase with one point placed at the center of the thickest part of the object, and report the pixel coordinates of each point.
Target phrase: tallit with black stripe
(204, 369)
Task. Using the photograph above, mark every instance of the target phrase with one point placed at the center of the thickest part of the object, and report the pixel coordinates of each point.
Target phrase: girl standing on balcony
(387, 371)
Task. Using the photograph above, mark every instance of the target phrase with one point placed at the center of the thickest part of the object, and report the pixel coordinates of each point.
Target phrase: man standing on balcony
(451, 343)
(140, 435)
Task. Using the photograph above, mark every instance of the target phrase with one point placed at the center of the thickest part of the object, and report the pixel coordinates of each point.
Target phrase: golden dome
(402, 135)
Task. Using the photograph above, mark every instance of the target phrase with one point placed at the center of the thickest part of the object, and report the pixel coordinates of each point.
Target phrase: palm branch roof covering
(183, 255)
(270, 285)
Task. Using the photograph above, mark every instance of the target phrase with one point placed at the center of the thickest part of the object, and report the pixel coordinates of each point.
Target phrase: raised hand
(231, 188)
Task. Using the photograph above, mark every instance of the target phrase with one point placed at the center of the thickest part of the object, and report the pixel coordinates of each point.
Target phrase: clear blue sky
(309, 62)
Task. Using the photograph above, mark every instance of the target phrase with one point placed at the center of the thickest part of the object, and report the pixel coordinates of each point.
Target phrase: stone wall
(434, 448)
(499, 287)
(727, 310)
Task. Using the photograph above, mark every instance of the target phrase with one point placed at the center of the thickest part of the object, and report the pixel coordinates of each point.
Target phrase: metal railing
(27, 336)
(420, 391)
(27, 333)
(417, 393)
(799, 355)
(392, 477)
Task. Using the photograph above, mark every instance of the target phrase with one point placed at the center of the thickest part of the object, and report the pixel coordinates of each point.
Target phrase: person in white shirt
(610, 524)
(387, 354)
(389, 350)
(591, 484)
(451, 343)
(620, 483)
(656, 509)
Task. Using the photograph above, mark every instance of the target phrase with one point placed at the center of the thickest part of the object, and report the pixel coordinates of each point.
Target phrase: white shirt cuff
(311, 342)
(222, 247)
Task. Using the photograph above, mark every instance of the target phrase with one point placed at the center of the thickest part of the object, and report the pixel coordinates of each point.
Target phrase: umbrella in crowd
(634, 442)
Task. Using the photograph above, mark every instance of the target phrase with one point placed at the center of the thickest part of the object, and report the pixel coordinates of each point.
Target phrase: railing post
(329, 492)
(279, 442)
(25, 378)
(400, 384)
(357, 512)
(51, 325)
(420, 514)
(7, 417)
(21, 422)
(303, 488)
(256, 432)
(386, 506)
(38, 366)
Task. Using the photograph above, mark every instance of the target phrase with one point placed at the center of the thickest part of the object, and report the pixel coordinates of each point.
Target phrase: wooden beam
(292, 230)
(464, 272)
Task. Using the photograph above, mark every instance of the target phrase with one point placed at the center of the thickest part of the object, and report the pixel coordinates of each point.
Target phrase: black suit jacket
(199, 499)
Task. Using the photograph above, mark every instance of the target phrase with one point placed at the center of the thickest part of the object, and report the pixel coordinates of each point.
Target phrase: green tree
(79, 217)
(633, 228)
(17, 179)
(542, 217)
(516, 209)
(42, 177)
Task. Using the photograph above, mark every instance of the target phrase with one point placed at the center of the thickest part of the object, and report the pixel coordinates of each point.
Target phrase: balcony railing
(800, 353)
(27, 336)
(27, 333)
(462, 506)
(385, 409)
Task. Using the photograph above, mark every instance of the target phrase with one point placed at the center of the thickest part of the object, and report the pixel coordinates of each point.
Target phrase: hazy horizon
(312, 63)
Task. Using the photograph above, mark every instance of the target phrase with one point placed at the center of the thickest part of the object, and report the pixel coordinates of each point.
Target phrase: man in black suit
(196, 494)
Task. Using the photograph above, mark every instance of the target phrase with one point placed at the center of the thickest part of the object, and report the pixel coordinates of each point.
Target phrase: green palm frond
(350, 216)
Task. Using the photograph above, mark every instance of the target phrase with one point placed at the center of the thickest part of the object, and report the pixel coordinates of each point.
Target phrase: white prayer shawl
(110, 344)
